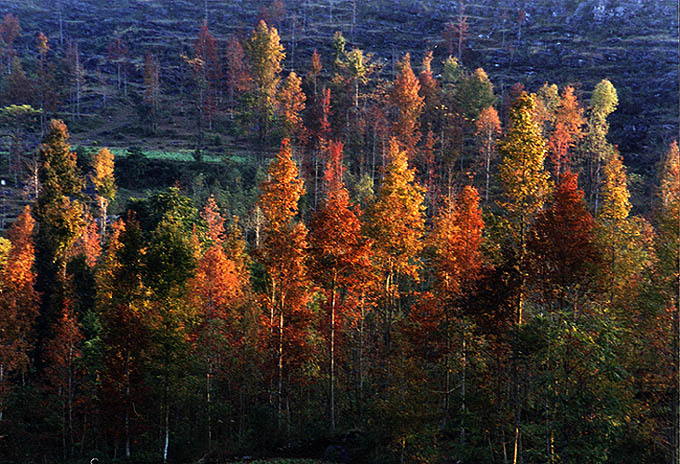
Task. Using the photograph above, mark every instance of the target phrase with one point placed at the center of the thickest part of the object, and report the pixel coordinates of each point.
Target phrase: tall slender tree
(526, 187)
(340, 260)
(409, 106)
(19, 303)
(283, 253)
(265, 54)
(396, 223)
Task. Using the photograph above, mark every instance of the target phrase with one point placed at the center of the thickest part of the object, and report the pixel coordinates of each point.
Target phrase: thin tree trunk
(166, 422)
(280, 364)
(332, 356)
(462, 392)
(2, 380)
(515, 354)
(209, 403)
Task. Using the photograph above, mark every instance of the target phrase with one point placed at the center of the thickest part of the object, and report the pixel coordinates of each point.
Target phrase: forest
(320, 231)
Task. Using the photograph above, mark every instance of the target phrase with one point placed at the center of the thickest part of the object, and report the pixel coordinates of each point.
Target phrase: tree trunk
(209, 403)
(166, 423)
(280, 364)
(332, 356)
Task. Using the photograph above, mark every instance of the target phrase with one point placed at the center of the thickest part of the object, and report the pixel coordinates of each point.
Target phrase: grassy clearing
(179, 155)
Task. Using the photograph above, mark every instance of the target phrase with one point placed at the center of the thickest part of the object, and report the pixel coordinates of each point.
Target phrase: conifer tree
(409, 106)
(291, 103)
(340, 259)
(396, 223)
(568, 122)
(526, 187)
(455, 244)
(596, 149)
(19, 303)
(104, 183)
(283, 254)
(59, 215)
(265, 54)
(488, 129)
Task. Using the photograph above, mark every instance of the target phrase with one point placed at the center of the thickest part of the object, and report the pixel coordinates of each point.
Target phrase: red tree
(18, 302)
(340, 261)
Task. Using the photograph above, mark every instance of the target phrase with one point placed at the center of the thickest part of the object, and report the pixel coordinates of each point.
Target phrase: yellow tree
(265, 53)
(291, 103)
(526, 186)
(596, 148)
(625, 240)
(396, 223)
(668, 274)
(104, 183)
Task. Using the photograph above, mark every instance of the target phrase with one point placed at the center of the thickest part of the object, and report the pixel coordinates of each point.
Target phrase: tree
(265, 55)
(596, 149)
(488, 129)
(122, 301)
(358, 67)
(315, 69)
(152, 69)
(238, 77)
(291, 103)
(668, 272)
(525, 181)
(568, 122)
(409, 106)
(625, 240)
(431, 93)
(206, 55)
(9, 31)
(455, 33)
(340, 258)
(76, 76)
(18, 88)
(18, 303)
(64, 372)
(526, 186)
(564, 250)
(118, 55)
(474, 93)
(47, 97)
(168, 267)
(104, 183)
(57, 211)
(455, 243)
(396, 223)
(216, 289)
(283, 254)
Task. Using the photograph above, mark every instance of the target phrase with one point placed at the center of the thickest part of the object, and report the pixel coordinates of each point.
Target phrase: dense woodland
(358, 260)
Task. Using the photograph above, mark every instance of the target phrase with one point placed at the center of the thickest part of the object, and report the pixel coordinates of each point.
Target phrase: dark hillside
(633, 43)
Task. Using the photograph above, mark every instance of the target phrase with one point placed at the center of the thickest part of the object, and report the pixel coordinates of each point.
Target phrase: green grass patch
(179, 155)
